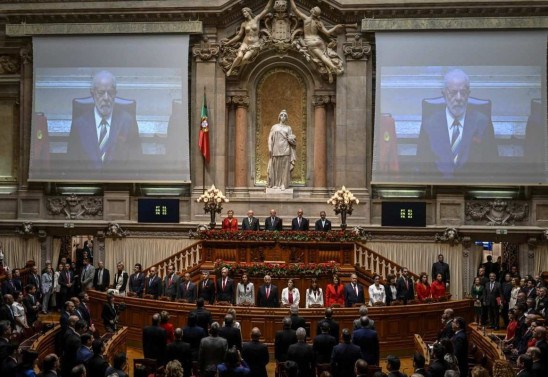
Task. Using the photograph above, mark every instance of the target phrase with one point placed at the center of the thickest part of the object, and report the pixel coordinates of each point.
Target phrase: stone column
(25, 112)
(240, 137)
(320, 140)
(468, 271)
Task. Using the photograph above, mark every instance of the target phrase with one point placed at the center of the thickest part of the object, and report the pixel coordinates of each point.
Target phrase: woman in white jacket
(314, 295)
(46, 283)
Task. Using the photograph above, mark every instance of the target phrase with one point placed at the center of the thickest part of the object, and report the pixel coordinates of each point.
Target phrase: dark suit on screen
(477, 147)
(303, 226)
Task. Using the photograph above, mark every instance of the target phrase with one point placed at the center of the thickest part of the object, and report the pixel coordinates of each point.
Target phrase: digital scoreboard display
(403, 214)
(158, 210)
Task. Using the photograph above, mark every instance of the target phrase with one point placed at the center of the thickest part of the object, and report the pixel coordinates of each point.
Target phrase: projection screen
(110, 109)
(460, 108)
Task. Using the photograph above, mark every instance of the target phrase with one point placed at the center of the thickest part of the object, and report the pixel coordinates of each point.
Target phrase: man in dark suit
(225, 287)
(206, 288)
(6, 312)
(539, 333)
(109, 314)
(419, 363)
(31, 304)
(187, 289)
(460, 342)
(101, 278)
(368, 341)
(250, 222)
(491, 300)
(447, 321)
(154, 340)
(153, 285)
(284, 338)
(303, 355)
(273, 222)
(440, 267)
(171, 283)
(333, 325)
(232, 334)
(212, 352)
(66, 282)
(106, 138)
(50, 365)
(34, 279)
(8, 366)
(203, 316)
(5, 335)
(353, 292)
(455, 140)
(256, 354)
(322, 224)
(404, 287)
(525, 366)
(267, 295)
(300, 223)
(344, 356)
(97, 365)
(323, 345)
(296, 321)
(137, 281)
(8, 285)
(71, 344)
(438, 365)
(193, 334)
(180, 350)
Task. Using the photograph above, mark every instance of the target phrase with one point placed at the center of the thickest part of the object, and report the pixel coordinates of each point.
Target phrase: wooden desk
(422, 348)
(488, 346)
(116, 344)
(396, 325)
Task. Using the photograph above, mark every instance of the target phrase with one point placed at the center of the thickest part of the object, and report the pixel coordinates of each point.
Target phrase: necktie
(170, 281)
(299, 221)
(406, 284)
(204, 283)
(455, 141)
(103, 139)
(356, 289)
(68, 278)
(491, 286)
(267, 292)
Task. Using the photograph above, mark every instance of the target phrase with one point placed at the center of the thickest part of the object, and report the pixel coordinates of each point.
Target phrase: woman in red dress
(438, 287)
(166, 325)
(230, 222)
(334, 293)
(423, 287)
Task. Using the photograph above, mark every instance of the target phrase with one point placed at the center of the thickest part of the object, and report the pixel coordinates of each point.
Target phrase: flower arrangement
(213, 200)
(343, 200)
(277, 269)
(284, 235)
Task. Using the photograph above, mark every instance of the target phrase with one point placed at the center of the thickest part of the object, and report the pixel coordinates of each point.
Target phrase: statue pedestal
(279, 194)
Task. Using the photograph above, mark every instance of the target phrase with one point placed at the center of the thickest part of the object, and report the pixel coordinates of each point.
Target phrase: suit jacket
(284, 338)
(297, 322)
(460, 347)
(256, 356)
(405, 292)
(226, 294)
(490, 296)
(323, 348)
(171, 287)
(304, 224)
(6, 314)
(268, 302)
(343, 358)
(233, 336)
(368, 341)
(8, 287)
(86, 314)
(275, 224)
(189, 294)
(253, 225)
(477, 145)
(321, 227)
(137, 283)
(108, 314)
(193, 335)
(203, 318)
(64, 280)
(154, 343)
(207, 290)
(303, 355)
(87, 277)
(124, 276)
(179, 350)
(229, 224)
(212, 352)
(71, 345)
(440, 268)
(350, 297)
(389, 296)
(37, 282)
(47, 283)
(437, 368)
(153, 286)
(8, 367)
(96, 366)
(333, 327)
(100, 286)
(29, 302)
(123, 144)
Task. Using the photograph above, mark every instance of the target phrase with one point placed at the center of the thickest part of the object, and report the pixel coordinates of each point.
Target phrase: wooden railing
(489, 346)
(116, 344)
(422, 348)
(377, 264)
(182, 260)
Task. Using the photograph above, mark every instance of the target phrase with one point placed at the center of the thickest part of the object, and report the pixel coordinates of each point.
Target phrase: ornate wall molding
(450, 236)
(206, 51)
(496, 212)
(75, 207)
(9, 64)
(358, 49)
(240, 101)
(320, 100)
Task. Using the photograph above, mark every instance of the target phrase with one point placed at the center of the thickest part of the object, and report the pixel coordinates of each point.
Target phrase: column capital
(26, 54)
(357, 49)
(320, 100)
(206, 50)
(239, 101)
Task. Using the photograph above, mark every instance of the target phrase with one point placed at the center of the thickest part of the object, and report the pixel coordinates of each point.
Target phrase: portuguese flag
(203, 141)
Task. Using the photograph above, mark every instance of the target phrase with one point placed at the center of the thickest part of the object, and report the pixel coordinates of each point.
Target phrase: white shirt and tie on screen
(103, 132)
(455, 134)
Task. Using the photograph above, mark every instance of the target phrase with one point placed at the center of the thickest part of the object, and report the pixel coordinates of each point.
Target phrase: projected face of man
(103, 92)
(456, 92)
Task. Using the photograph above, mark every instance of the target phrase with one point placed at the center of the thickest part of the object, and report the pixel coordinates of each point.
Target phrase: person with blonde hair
(174, 369)
(479, 371)
(502, 368)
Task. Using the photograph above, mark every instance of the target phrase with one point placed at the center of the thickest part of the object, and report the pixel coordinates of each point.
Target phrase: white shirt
(294, 292)
(314, 297)
(98, 120)
(450, 120)
(377, 294)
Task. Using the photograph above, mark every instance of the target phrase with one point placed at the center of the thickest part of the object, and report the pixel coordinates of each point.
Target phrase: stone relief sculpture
(449, 235)
(313, 46)
(497, 212)
(75, 207)
(114, 230)
(250, 43)
(282, 152)
(282, 31)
